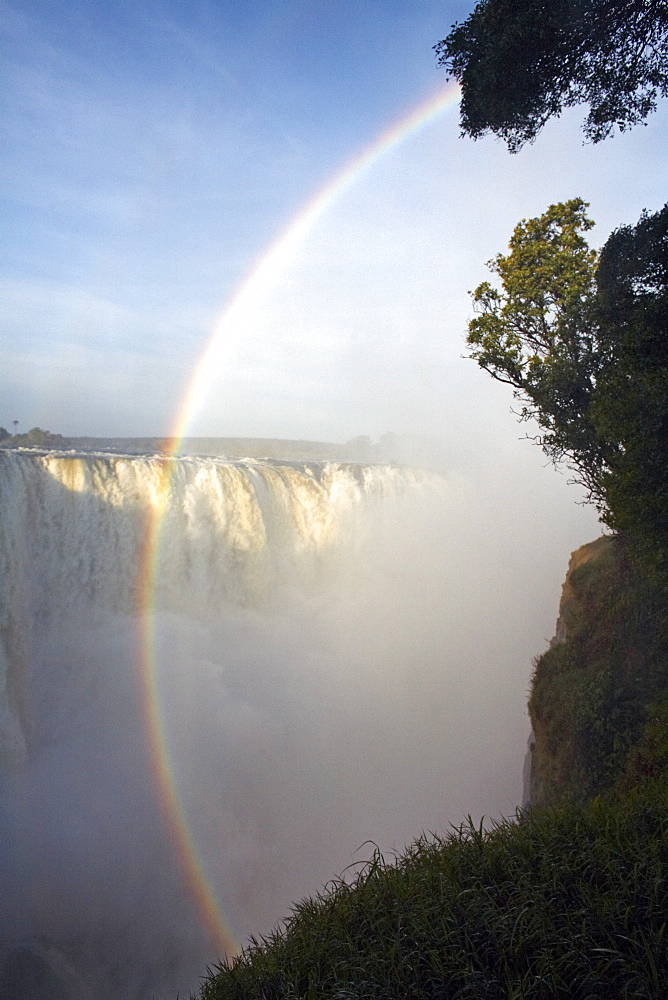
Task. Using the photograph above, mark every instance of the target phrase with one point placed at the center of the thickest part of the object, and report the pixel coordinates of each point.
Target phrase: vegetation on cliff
(565, 902)
(581, 338)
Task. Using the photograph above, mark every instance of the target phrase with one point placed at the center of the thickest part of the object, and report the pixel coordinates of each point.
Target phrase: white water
(285, 665)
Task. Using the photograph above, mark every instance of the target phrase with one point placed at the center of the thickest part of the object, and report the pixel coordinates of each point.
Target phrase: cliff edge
(602, 681)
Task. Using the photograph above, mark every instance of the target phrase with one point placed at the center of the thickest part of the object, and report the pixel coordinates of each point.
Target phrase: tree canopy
(520, 63)
(534, 334)
(630, 406)
(581, 338)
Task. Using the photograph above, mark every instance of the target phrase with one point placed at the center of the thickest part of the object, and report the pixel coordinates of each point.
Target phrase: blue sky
(154, 150)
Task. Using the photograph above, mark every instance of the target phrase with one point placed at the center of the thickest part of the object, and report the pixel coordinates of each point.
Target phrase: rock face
(532, 785)
(570, 605)
(566, 676)
(607, 662)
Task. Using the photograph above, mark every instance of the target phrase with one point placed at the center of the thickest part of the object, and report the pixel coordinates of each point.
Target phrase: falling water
(294, 676)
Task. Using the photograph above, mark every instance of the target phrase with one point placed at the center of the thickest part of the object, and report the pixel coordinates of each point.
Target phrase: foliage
(648, 759)
(535, 334)
(561, 903)
(521, 63)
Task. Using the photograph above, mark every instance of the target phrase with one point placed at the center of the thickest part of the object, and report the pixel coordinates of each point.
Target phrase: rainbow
(229, 328)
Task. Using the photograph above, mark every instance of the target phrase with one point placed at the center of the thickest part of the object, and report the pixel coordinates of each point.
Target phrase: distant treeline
(35, 438)
(402, 448)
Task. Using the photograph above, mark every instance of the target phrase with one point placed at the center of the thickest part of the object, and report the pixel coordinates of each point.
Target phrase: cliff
(602, 684)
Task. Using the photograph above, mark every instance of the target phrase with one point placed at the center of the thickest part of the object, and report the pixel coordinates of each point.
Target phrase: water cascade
(278, 609)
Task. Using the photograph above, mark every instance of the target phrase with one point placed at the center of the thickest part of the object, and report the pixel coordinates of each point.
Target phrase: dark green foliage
(521, 63)
(565, 903)
(590, 692)
(648, 760)
(630, 410)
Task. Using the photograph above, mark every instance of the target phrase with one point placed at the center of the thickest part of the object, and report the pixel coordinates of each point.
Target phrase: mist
(359, 676)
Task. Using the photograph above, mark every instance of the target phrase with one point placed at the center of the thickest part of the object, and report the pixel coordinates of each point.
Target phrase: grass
(565, 902)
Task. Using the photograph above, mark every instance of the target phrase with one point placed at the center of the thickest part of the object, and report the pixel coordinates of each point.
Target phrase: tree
(630, 408)
(520, 63)
(582, 340)
(535, 334)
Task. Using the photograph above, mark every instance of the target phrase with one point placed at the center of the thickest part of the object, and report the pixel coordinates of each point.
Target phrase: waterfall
(280, 658)
(73, 529)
